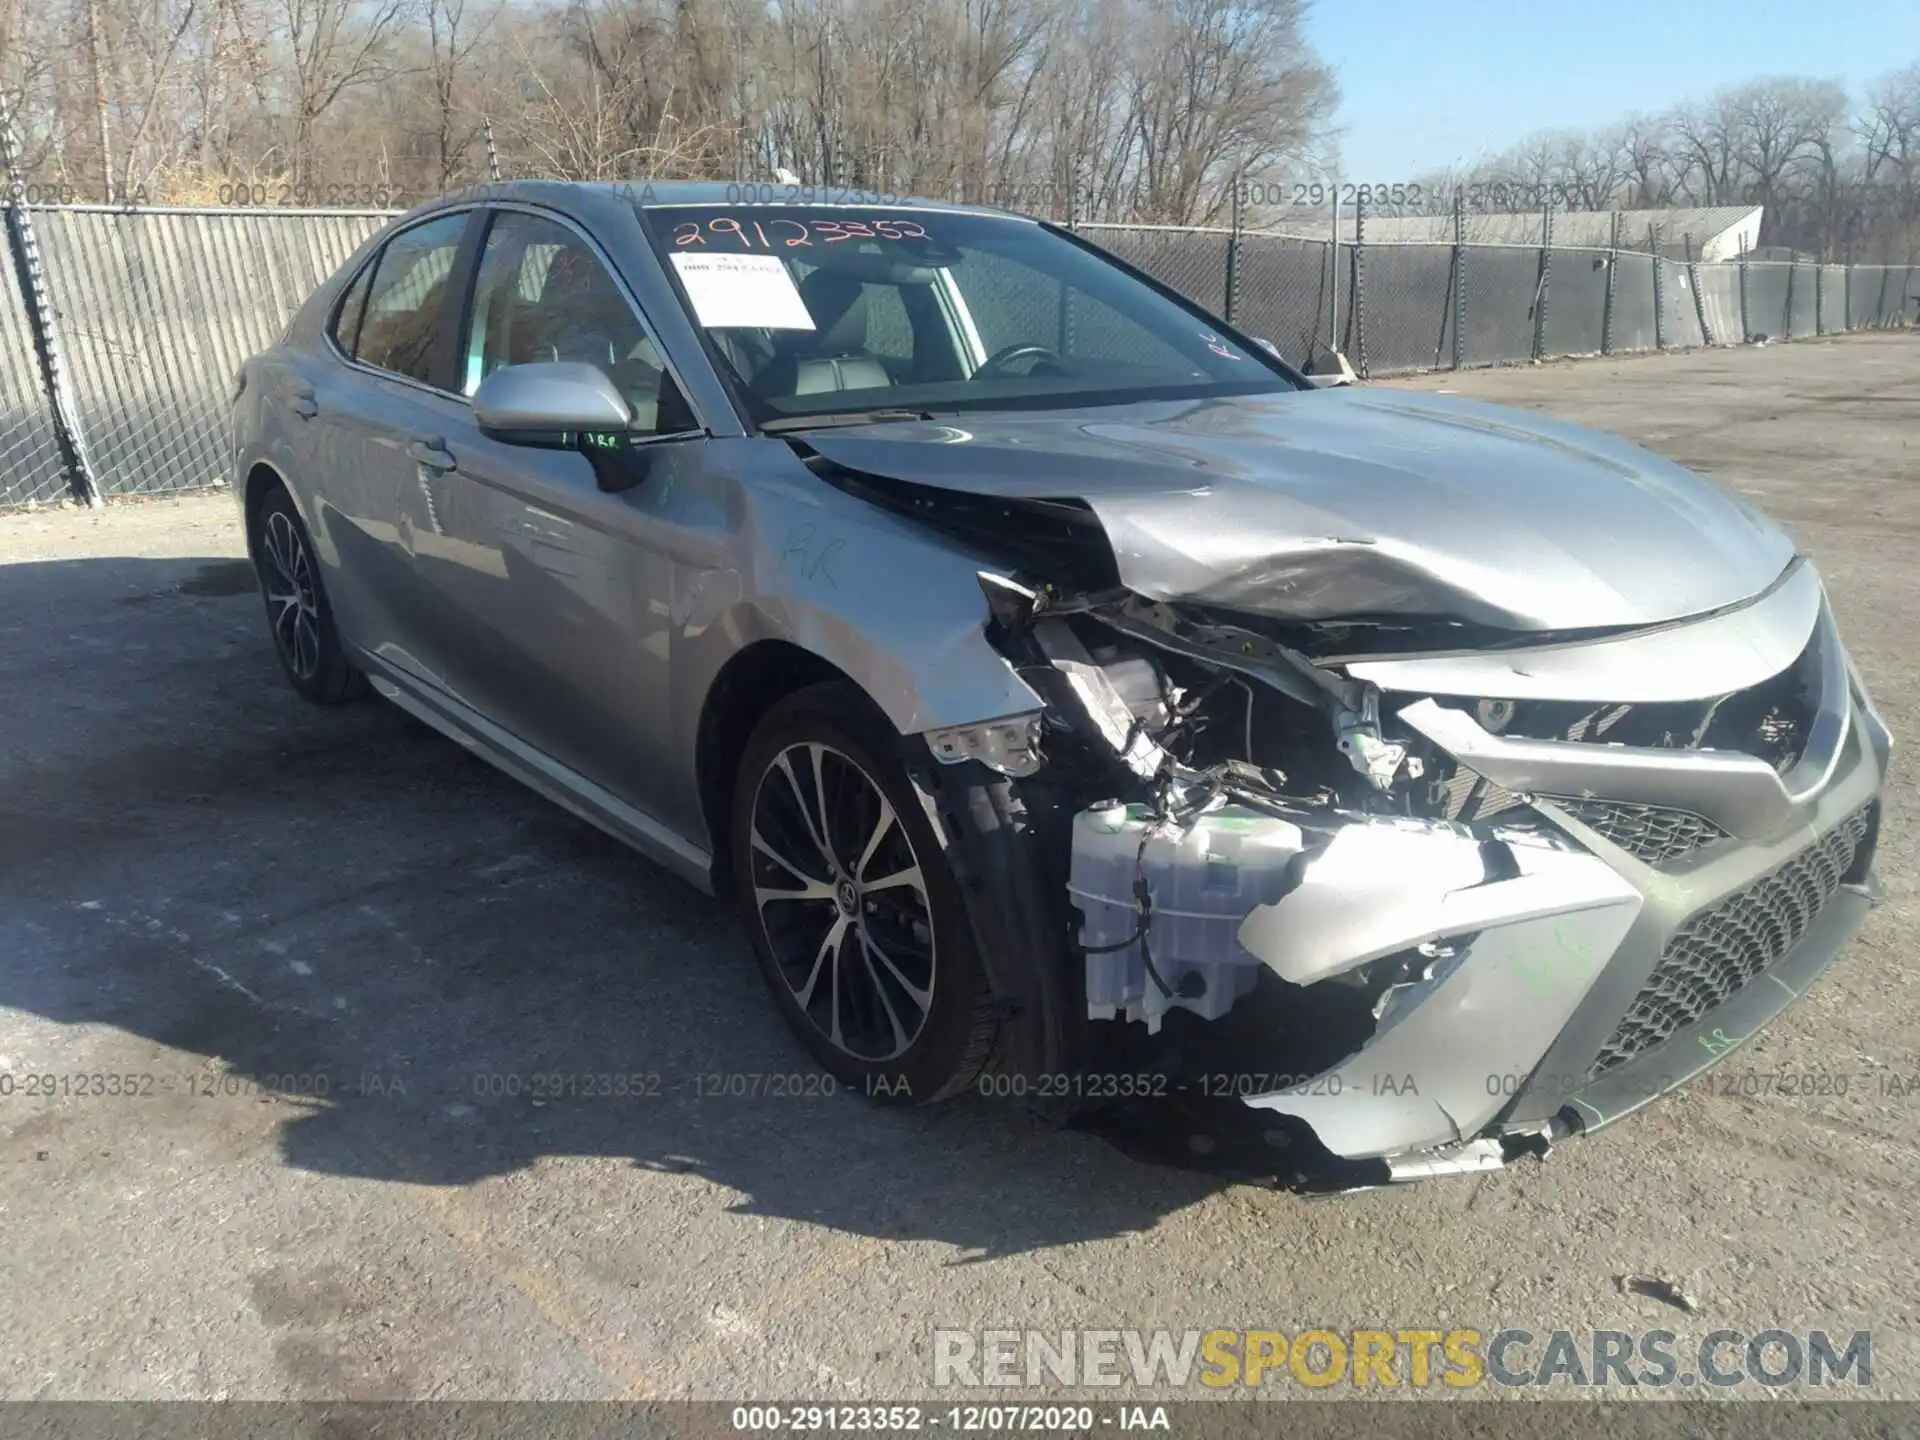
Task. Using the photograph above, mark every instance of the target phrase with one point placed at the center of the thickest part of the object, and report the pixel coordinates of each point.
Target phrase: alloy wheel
(292, 598)
(842, 899)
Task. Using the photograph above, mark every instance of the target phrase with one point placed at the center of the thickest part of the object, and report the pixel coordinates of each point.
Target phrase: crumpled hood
(1356, 502)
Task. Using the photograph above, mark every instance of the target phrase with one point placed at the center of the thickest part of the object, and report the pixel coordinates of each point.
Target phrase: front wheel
(855, 916)
(298, 614)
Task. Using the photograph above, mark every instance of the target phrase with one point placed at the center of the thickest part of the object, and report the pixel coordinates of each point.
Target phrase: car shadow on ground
(438, 976)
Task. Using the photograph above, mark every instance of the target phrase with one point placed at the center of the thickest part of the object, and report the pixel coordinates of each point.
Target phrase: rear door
(381, 416)
(560, 590)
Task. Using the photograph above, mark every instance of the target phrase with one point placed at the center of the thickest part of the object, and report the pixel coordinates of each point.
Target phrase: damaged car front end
(1402, 896)
(1471, 923)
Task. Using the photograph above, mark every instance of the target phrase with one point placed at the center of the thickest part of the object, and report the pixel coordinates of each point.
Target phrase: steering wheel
(996, 364)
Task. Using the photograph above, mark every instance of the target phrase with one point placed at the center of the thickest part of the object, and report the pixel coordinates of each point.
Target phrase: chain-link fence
(121, 330)
(1399, 307)
(36, 469)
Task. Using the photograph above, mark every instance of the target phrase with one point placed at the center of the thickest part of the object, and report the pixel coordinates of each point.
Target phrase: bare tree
(1706, 149)
(1224, 87)
(1645, 147)
(334, 46)
(1778, 125)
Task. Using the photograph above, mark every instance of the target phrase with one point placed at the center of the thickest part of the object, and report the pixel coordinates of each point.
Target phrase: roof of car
(652, 194)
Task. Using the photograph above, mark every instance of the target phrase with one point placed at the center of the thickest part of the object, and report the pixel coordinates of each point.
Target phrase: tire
(881, 981)
(299, 618)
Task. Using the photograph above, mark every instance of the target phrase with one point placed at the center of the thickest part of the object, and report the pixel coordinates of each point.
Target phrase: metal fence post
(493, 153)
(1543, 287)
(1613, 265)
(1459, 277)
(1699, 302)
(1233, 256)
(1659, 292)
(1846, 297)
(1746, 326)
(1786, 319)
(1333, 273)
(25, 251)
(1360, 285)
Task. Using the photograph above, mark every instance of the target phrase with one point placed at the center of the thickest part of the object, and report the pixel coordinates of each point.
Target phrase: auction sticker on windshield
(742, 290)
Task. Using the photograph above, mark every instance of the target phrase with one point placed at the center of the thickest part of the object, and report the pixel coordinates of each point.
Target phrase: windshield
(829, 311)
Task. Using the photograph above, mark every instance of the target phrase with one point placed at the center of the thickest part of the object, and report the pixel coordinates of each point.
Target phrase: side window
(403, 307)
(346, 315)
(543, 294)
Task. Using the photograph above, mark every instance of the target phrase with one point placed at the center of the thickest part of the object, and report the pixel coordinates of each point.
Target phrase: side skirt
(538, 771)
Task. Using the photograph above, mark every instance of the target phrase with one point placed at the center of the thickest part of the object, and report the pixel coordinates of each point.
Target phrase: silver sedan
(1077, 702)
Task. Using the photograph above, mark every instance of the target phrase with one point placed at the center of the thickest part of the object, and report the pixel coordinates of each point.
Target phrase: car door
(560, 590)
(381, 413)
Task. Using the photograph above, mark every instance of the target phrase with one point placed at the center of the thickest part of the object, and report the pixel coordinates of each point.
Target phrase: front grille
(1721, 950)
(1649, 833)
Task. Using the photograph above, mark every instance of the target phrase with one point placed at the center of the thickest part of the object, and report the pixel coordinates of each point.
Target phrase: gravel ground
(205, 883)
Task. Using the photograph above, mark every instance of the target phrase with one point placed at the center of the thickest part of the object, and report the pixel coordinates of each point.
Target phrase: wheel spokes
(829, 945)
(825, 809)
(900, 1037)
(811, 886)
(909, 876)
(922, 999)
(306, 643)
(837, 939)
(880, 829)
(817, 754)
(290, 592)
(818, 837)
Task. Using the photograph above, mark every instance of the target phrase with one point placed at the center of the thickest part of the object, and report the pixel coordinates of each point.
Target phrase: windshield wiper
(849, 417)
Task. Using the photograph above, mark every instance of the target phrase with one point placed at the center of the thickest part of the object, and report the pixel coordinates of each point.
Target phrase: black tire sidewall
(932, 1067)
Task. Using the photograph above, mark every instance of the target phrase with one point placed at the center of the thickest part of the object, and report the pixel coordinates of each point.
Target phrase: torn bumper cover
(1640, 914)
(1503, 936)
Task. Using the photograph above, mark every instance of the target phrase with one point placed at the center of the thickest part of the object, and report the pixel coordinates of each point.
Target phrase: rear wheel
(298, 615)
(855, 916)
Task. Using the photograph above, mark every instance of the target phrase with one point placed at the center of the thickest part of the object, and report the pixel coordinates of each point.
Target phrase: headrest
(838, 305)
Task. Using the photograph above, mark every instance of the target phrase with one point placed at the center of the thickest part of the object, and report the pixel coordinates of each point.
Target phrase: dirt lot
(204, 882)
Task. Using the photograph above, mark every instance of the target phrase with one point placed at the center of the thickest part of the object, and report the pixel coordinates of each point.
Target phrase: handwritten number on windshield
(768, 235)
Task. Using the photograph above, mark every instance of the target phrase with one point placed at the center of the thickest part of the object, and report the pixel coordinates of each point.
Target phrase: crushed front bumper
(1558, 981)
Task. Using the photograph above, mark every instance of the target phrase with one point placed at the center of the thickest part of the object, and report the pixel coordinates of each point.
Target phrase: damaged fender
(783, 558)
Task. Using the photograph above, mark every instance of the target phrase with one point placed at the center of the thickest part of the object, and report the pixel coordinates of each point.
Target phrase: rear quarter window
(345, 326)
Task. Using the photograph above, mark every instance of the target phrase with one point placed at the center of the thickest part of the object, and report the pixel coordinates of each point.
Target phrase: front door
(560, 588)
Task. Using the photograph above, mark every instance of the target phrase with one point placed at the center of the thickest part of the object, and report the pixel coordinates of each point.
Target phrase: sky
(1430, 83)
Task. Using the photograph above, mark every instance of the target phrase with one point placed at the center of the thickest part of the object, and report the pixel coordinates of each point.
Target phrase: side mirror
(549, 404)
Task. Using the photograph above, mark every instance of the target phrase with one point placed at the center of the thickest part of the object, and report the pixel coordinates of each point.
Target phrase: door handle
(304, 405)
(432, 453)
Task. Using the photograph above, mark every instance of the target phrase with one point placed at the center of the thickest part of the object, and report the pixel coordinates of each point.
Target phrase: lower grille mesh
(1721, 950)
(1649, 833)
